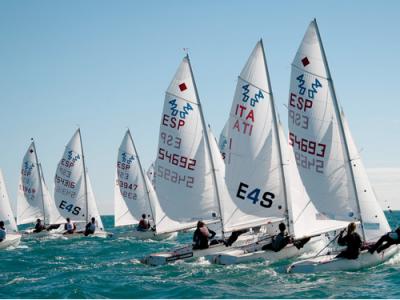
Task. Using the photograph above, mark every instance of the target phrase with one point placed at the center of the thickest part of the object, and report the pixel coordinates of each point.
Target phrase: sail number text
(307, 146)
(174, 177)
(253, 195)
(75, 210)
(176, 159)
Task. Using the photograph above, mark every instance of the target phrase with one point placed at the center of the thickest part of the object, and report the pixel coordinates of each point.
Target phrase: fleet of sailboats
(247, 184)
(261, 174)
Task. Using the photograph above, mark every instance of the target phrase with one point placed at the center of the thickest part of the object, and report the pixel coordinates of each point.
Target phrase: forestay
(131, 197)
(33, 198)
(6, 214)
(184, 176)
(321, 149)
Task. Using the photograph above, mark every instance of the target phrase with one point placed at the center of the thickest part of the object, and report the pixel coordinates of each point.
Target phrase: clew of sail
(6, 214)
(184, 176)
(319, 143)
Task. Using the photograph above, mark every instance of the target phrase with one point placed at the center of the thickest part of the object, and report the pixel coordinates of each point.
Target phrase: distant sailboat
(329, 162)
(34, 200)
(261, 175)
(13, 238)
(73, 192)
(133, 193)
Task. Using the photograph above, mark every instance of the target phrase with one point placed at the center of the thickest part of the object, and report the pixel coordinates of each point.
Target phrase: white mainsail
(6, 214)
(325, 153)
(73, 192)
(33, 199)
(131, 196)
(253, 169)
(185, 182)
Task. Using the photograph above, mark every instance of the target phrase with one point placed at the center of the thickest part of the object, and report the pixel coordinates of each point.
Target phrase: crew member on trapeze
(387, 240)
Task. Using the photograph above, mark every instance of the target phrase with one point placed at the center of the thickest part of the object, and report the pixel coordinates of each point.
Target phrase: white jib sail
(184, 176)
(151, 174)
(31, 202)
(52, 214)
(6, 214)
(304, 218)
(253, 168)
(317, 138)
(93, 212)
(131, 198)
(70, 193)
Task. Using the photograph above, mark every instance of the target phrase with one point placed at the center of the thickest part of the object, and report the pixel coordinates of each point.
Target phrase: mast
(205, 130)
(40, 181)
(285, 192)
(84, 174)
(340, 121)
(142, 174)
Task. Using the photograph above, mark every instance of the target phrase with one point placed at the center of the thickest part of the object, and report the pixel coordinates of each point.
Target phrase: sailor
(39, 226)
(90, 227)
(201, 236)
(233, 237)
(352, 240)
(391, 238)
(69, 227)
(144, 224)
(279, 241)
(3, 232)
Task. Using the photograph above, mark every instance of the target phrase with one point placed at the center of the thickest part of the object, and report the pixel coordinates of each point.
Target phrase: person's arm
(212, 233)
(342, 240)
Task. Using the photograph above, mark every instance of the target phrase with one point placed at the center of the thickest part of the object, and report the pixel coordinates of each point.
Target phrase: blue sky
(105, 65)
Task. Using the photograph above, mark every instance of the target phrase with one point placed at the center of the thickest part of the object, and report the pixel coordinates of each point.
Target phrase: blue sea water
(110, 268)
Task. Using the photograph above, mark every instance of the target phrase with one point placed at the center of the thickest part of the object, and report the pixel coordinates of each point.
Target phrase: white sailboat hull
(254, 252)
(327, 263)
(12, 240)
(183, 253)
(148, 235)
(187, 252)
(97, 234)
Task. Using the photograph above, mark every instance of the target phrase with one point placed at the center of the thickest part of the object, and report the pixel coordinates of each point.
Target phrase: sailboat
(34, 200)
(261, 175)
(13, 238)
(73, 193)
(329, 162)
(133, 192)
(188, 176)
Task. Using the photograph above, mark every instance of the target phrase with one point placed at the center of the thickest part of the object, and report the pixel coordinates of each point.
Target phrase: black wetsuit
(353, 243)
(38, 227)
(200, 241)
(379, 246)
(278, 243)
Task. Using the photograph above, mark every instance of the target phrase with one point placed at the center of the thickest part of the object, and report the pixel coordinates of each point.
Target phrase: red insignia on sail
(182, 87)
(305, 61)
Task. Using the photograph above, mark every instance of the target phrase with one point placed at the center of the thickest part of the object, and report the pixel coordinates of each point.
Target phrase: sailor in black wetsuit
(391, 238)
(353, 242)
(279, 241)
(201, 236)
(39, 226)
